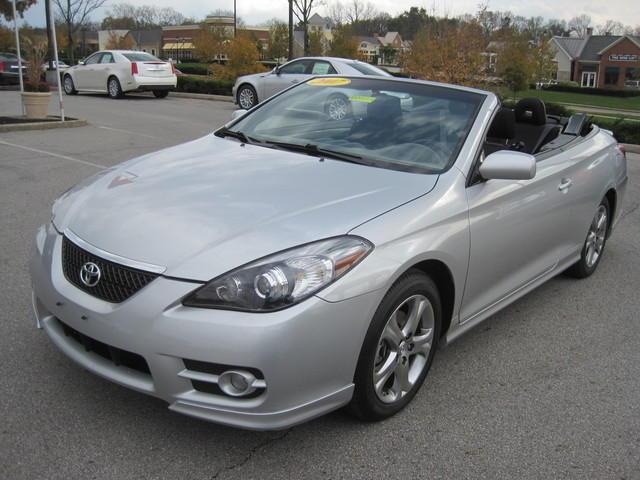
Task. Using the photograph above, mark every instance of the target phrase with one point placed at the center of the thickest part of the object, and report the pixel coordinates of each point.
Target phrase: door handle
(565, 184)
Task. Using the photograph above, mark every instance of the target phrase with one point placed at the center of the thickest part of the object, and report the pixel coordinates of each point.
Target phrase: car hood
(208, 206)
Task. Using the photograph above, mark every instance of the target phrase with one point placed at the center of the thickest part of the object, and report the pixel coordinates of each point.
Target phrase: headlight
(283, 279)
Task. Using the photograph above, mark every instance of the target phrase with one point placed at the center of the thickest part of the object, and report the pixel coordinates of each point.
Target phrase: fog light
(237, 383)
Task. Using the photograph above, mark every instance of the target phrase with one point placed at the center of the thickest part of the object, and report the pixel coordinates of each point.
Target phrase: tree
(357, 11)
(131, 17)
(316, 44)
(611, 27)
(515, 63)
(74, 13)
(543, 66)
(7, 39)
(6, 8)
(302, 10)
(449, 53)
(119, 42)
(344, 43)
(410, 22)
(579, 25)
(209, 43)
(278, 39)
(243, 55)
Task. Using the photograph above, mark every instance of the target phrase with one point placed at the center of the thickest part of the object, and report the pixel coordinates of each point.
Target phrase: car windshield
(385, 123)
(140, 57)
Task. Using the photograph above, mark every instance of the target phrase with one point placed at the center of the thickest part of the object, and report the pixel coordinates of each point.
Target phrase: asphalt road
(547, 389)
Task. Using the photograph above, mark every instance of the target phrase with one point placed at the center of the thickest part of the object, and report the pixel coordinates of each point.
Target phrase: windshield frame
(377, 162)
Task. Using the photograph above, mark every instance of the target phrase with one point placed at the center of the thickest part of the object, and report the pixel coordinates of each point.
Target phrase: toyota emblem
(90, 274)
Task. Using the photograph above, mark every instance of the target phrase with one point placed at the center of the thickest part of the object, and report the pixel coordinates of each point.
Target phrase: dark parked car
(9, 69)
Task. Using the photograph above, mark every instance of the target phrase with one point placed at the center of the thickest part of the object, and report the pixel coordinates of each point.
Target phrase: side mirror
(508, 165)
(237, 114)
(81, 62)
(277, 70)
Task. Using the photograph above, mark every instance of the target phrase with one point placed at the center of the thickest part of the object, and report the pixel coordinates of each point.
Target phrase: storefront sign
(623, 58)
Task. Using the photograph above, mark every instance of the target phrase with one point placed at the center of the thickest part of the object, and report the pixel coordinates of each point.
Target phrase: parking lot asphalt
(547, 389)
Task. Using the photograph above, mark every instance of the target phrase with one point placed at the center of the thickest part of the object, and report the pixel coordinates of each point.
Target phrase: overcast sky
(255, 12)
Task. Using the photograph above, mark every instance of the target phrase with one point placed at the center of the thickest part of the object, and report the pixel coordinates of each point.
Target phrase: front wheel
(247, 97)
(114, 88)
(593, 247)
(398, 348)
(160, 93)
(338, 107)
(69, 87)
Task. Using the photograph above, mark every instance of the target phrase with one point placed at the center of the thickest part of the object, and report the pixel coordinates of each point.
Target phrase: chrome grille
(117, 282)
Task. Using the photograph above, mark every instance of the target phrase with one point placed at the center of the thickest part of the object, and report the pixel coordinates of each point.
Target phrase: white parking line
(57, 155)
(128, 131)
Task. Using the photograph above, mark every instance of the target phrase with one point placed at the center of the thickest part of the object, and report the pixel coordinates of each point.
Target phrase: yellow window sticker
(362, 98)
(329, 82)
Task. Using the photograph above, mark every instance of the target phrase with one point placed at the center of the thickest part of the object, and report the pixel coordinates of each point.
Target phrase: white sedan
(119, 71)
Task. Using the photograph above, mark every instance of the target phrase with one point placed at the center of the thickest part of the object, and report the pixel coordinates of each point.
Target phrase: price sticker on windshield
(362, 98)
(329, 82)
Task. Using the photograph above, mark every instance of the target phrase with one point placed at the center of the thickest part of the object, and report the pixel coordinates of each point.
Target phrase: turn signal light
(173, 68)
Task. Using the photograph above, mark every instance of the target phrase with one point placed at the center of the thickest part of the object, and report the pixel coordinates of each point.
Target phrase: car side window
(322, 68)
(93, 59)
(107, 58)
(295, 68)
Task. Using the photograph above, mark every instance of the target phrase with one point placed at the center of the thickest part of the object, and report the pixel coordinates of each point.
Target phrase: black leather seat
(532, 127)
(501, 131)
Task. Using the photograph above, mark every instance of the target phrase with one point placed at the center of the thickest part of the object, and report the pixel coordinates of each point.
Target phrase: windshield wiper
(226, 132)
(316, 151)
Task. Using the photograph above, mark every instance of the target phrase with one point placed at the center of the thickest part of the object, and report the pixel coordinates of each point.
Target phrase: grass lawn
(630, 103)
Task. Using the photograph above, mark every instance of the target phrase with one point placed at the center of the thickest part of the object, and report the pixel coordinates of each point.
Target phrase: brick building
(600, 61)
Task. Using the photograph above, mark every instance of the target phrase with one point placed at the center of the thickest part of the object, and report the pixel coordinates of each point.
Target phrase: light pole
(290, 29)
(235, 19)
(55, 54)
(15, 27)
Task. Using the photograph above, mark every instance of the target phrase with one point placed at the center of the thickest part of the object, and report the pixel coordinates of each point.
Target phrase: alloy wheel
(246, 98)
(114, 87)
(338, 108)
(596, 237)
(68, 85)
(403, 348)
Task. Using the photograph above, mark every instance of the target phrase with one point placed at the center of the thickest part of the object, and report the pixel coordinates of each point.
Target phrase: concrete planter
(36, 104)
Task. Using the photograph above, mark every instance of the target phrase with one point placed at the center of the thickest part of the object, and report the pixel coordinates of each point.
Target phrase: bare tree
(611, 27)
(74, 14)
(357, 10)
(302, 10)
(579, 25)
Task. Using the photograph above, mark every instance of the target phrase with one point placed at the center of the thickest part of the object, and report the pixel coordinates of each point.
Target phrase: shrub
(568, 84)
(193, 68)
(592, 91)
(552, 108)
(625, 131)
(204, 85)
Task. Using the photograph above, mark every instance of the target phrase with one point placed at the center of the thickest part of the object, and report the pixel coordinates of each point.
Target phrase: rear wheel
(114, 88)
(247, 97)
(69, 87)
(398, 348)
(160, 93)
(593, 247)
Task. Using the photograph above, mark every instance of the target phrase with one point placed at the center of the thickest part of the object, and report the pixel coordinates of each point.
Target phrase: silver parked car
(290, 264)
(117, 72)
(249, 90)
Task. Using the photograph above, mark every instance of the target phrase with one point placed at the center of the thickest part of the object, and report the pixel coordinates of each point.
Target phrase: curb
(203, 96)
(17, 127)
(629, 148)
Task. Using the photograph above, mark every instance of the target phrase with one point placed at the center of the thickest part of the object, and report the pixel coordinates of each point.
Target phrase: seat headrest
(503, 125)
(531, 110)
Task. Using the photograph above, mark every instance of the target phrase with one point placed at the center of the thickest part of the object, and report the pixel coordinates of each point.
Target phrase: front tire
(593, 247)
(398, 348)
(338, 107)
(69, 87)
(160, 93)
(114, 89)
(247, 97)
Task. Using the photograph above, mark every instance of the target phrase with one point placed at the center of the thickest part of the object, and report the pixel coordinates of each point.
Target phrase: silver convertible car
(289, 263)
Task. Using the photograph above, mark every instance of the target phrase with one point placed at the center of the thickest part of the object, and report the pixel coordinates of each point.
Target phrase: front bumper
(307, 353)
